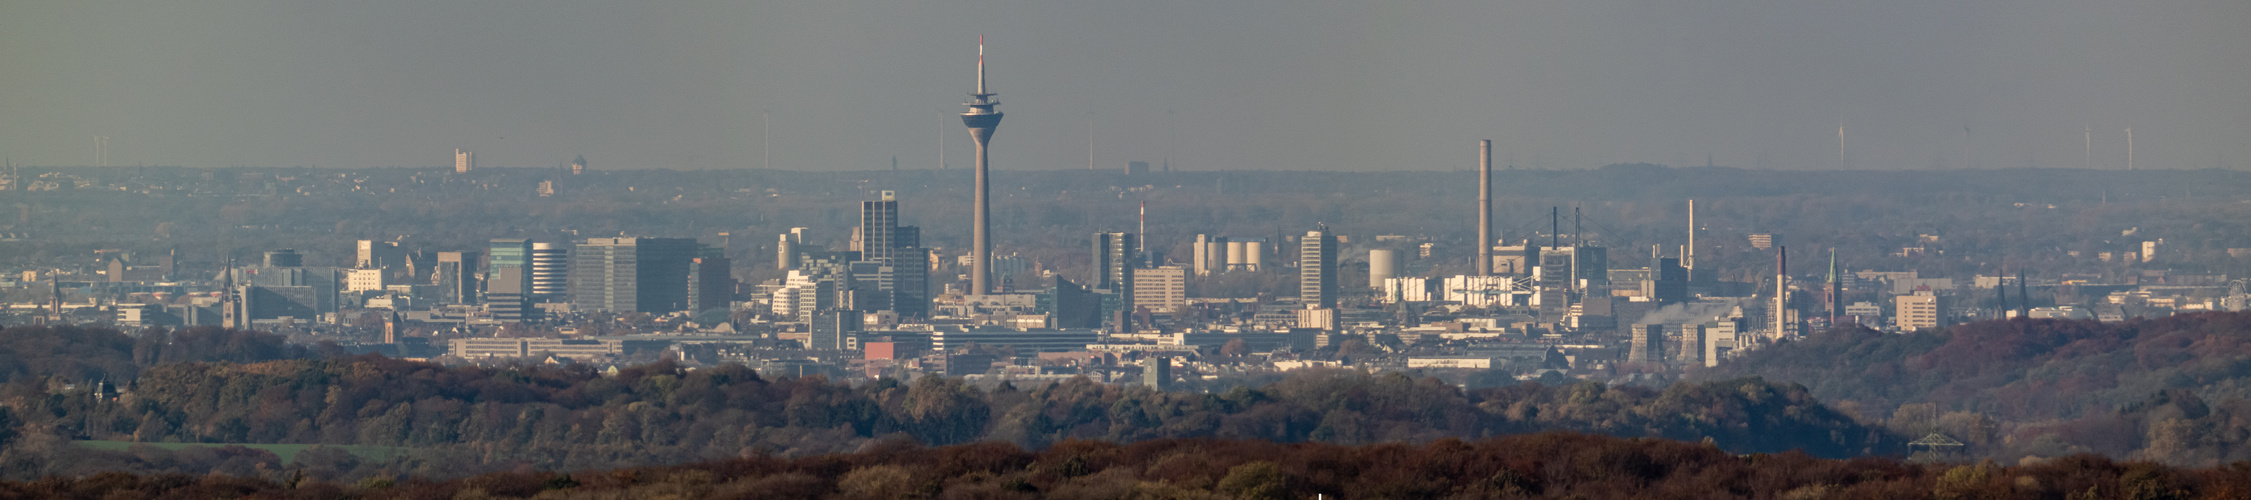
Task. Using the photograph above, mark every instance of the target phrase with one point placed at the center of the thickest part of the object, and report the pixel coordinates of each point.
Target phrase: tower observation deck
(981, 119)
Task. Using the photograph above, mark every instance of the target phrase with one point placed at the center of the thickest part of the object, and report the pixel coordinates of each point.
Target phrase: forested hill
(1546, 465)
(468, 418)
(2176, 388)
(73, 354)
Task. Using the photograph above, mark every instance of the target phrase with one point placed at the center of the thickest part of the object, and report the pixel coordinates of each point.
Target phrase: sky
(1236, 85)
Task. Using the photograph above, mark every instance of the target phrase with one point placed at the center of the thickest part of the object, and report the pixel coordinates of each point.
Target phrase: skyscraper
(981, 119)
(456, 277)
(385, 255)
(711, 284)
(508, 277)
(879, 225)
(1114, 260)
(628, 274)
(1114, 263)
(1317, 269)
(463, 161)
(893, 266)
(550, 272)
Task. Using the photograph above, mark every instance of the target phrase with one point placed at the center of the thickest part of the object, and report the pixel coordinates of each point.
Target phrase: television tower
(981, 120)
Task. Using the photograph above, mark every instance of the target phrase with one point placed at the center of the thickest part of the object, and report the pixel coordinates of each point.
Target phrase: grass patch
(287, 452)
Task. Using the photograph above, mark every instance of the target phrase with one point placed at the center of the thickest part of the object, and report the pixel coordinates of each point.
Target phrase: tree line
(461, 418)
(1543, 465)
(2176, 389)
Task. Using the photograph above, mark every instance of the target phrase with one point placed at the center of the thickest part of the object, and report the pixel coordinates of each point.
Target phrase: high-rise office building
(1162, 289)
(879, 223)
(711, 283)
(1114, 262)
(287, 257)
(456, 277)
(463, 161)
(629, 274)
(508, 296)
(506, 253)
(1591, 266)
(1920, 311)
(508, 279)
(385, 255)
(1317, 269)
(550, 272)
(893, 271)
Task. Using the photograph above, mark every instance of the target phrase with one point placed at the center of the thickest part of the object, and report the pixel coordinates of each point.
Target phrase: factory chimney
(1781, 290)
(1484, 208)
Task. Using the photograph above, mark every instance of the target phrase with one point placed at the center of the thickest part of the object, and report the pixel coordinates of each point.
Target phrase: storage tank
(1254, 255)
(1235, 258)
(1382, 265)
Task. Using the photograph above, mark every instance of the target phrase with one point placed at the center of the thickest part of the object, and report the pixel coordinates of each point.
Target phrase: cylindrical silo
(1254, 255)
(1382, 265)
(1235, 259)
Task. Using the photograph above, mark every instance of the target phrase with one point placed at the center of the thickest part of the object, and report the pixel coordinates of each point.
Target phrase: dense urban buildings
(630, 274)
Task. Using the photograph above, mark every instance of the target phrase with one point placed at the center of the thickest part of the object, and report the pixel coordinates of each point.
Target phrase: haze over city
(1270, 85)
(1731, 249)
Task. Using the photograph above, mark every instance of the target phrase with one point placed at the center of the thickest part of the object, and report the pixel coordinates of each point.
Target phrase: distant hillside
(1546, 465)
(472, 418)
(2175, 389)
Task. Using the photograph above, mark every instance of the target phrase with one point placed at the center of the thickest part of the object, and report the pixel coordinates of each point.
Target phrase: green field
(287, 452)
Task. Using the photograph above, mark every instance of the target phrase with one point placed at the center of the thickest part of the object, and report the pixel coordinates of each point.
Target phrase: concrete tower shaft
(981, 119)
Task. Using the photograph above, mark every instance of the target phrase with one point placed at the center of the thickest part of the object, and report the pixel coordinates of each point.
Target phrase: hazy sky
(1249, 84)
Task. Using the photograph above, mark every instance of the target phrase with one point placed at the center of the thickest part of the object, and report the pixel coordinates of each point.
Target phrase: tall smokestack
(1484, 208)
(1836, 290)
(1781, 290)
(1688, 256)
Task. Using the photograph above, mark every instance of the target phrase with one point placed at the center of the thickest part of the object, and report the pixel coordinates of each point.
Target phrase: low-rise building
(492, 347)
